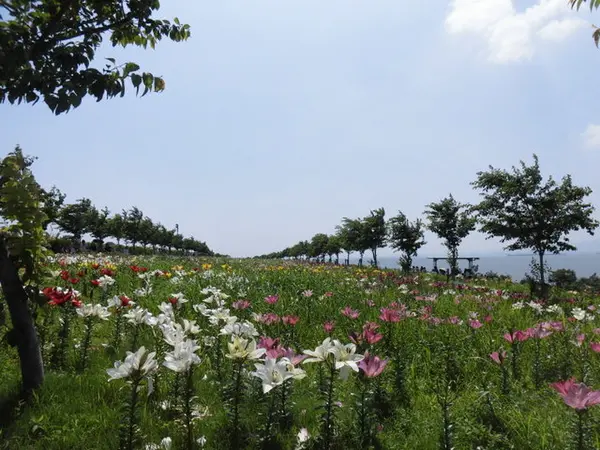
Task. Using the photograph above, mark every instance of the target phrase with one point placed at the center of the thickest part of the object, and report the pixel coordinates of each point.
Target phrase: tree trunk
(453, 263)
(25, 335)
(374, 251)
(543, 287)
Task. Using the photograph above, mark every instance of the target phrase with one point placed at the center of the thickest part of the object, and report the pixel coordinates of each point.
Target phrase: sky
(281, 117)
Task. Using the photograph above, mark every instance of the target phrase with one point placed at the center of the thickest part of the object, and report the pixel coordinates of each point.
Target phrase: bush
(563, 278)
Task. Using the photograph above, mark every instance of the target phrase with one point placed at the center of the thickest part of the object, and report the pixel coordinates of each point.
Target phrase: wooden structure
(469, 259)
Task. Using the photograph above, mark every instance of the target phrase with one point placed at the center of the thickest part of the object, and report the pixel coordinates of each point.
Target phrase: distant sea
(516, 266)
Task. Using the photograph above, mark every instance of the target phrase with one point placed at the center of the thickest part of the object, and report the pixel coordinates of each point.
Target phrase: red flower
(389, 315)
(329, 327)
(290, 320)
(59, 297)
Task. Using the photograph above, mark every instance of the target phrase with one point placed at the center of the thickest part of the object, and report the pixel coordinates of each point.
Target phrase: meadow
(159, 352)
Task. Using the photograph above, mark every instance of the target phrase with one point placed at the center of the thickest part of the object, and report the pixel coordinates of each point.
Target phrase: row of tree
(131, 226)
(518, 206)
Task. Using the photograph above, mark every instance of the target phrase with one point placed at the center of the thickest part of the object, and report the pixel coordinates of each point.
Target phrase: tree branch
(40, 45)
(89, 31)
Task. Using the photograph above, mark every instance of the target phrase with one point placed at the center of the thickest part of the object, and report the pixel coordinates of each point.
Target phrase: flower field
(159, 353)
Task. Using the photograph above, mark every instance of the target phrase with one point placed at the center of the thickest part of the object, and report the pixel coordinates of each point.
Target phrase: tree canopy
(526, 212)
(452, 222)
(47, 48)
(406, 237)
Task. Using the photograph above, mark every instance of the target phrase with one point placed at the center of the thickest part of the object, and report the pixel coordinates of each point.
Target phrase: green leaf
(136, 80)
(148, 79)
(31, 97)
(112, 60)
(129, 68)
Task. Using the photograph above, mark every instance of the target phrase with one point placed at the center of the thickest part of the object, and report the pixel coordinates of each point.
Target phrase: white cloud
(558, 30)
(511, 35)
(591, 136)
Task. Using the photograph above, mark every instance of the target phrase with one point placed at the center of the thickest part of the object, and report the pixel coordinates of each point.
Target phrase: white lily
(321, 353)
(346, 358)
(182, 357)
(272, 373)
(240, 348)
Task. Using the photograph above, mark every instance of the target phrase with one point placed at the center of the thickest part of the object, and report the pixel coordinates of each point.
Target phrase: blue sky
(280, 118)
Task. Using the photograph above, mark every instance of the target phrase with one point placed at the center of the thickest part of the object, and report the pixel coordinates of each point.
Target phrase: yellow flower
(206, 266)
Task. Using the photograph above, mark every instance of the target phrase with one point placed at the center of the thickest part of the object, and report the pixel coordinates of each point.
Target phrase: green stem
(131, 419)
(86, 343)
(59, 357)
(268, 426)
(514, 362)
(43, 333)
(537, 374)
(188, 409)
(136, 332)
(364, 435)
(505, 390)
(447, 445)
(283, 413)
(580, 430)
(329, 408)
(117, 334)
(236, 405)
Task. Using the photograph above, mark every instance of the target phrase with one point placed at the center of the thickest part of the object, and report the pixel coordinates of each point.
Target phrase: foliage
(374, 231)
(21, 208)
(99, 224)
(116, 227)
(318, 245)
(52, 202)
(334, 245)
(594, 4)
(47, 48)
(352, 236)
(77, 218)
(577, 3)
(527, 212)
(563, 278)
(451, 221)
(406, 237)
(454, 388)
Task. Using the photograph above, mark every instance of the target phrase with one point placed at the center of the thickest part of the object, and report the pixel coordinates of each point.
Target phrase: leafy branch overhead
(48, 46)
(594, 4)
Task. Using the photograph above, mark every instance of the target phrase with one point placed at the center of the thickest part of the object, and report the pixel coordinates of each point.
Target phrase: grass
(432, 357)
